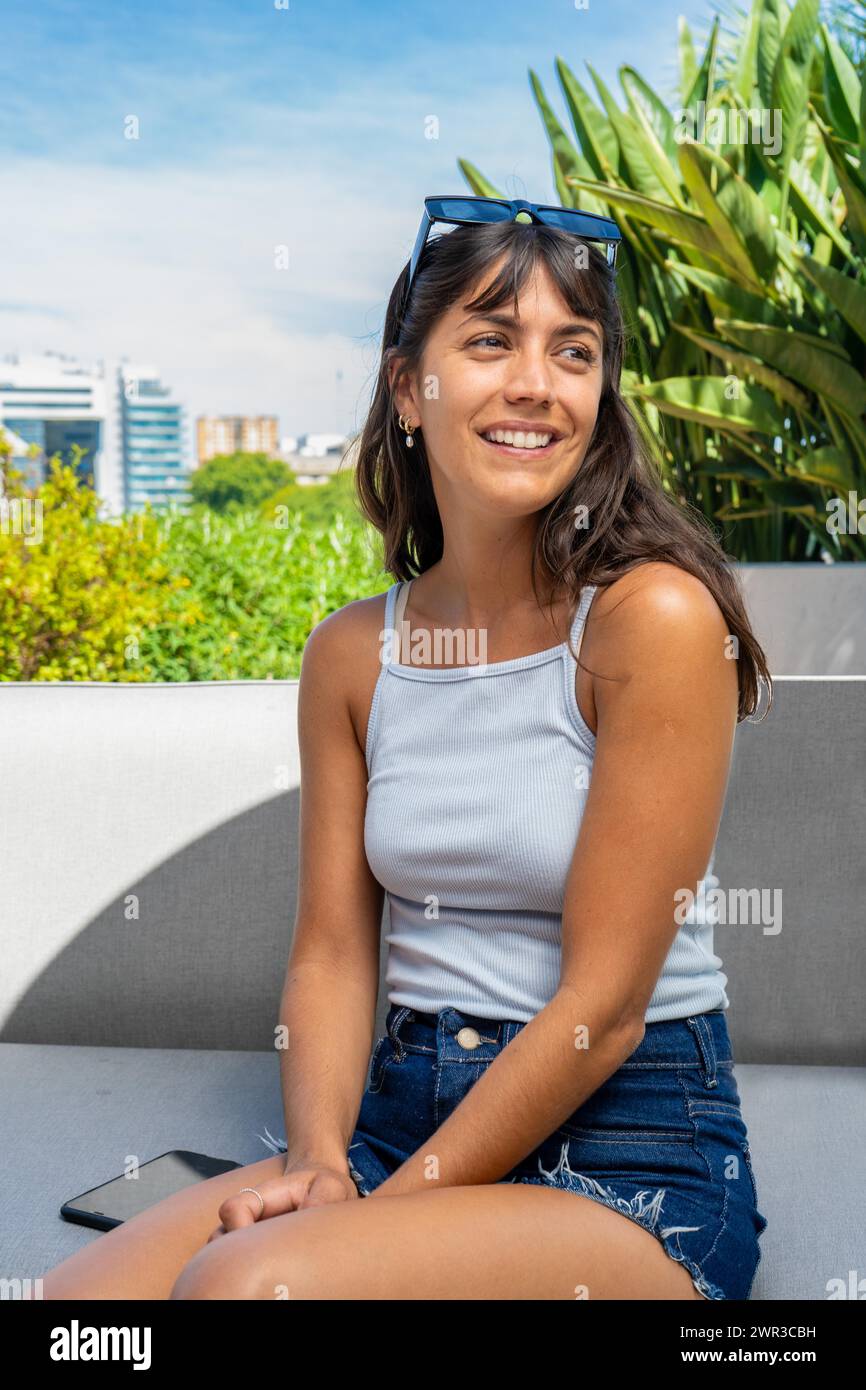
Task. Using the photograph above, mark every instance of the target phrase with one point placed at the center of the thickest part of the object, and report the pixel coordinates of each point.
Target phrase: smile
(521, 444)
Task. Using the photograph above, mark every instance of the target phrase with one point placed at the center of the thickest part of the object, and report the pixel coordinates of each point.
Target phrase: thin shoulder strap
(580, 617)
(400, 606)
(395, 603)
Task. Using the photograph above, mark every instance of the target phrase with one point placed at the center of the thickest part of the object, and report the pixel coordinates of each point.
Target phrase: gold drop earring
(404, 425)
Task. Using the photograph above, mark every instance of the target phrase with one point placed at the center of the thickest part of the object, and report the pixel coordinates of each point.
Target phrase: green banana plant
(742, 272)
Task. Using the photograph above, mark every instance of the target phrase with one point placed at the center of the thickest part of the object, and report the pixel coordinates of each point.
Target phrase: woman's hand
(313, 1186)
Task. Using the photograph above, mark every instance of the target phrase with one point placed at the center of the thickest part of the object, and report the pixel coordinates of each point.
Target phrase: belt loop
(706, 1049)
(394, 1030)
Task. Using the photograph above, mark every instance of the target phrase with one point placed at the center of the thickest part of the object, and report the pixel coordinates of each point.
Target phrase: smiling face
(540, 372)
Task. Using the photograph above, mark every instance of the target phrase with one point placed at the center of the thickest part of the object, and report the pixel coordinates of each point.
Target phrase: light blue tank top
(477, 780)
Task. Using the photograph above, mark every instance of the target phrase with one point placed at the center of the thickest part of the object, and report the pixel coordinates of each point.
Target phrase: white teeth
(520, 439)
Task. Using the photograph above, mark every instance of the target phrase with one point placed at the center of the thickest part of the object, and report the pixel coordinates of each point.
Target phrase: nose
(530, 377)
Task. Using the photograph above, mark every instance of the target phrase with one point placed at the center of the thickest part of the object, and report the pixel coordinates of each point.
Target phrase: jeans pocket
(705, 1050)
(760, 1219)
(384, 1054)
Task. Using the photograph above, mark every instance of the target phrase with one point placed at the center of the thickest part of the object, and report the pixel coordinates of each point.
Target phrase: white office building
(132, 430)
(53, 401)
(153, 442)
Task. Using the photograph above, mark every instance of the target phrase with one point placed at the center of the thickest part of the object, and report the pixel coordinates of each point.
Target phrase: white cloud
(179, 269)
(162, 250)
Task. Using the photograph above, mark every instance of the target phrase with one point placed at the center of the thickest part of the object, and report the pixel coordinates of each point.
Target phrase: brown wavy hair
(631, 519)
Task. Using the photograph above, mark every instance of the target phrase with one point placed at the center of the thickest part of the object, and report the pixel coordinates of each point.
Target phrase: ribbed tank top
(477, 780)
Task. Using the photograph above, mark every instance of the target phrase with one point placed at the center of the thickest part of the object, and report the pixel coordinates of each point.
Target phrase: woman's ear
(400, 384)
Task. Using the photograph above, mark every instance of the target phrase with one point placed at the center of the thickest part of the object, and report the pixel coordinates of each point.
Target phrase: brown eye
(586, 354)
(487, 338)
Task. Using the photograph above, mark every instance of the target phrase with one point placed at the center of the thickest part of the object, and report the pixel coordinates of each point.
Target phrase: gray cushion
(70, 1116)
(147, 899)
(199, 840)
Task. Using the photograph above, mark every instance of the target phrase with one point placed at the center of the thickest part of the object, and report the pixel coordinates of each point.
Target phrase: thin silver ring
(258, 1194)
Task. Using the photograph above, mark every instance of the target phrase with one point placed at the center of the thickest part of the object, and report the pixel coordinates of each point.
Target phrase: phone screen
(124, 1197)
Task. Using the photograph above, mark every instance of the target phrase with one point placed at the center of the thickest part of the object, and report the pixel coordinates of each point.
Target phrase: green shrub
(77, 594)
(172, 595)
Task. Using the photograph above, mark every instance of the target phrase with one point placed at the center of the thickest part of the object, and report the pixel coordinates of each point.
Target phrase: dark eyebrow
(565, 330)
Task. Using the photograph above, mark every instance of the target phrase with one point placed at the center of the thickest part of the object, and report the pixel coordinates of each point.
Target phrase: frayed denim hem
(277, 1146)
(643, 1212)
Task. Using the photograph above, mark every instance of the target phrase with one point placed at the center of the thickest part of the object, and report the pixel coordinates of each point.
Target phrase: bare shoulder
(658, 645)
(341, 662)
(656, 607)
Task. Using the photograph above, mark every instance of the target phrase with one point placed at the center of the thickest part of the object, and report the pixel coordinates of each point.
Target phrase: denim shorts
(662, 1141)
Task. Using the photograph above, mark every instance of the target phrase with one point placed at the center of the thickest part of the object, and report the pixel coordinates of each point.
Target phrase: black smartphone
(124, 1197)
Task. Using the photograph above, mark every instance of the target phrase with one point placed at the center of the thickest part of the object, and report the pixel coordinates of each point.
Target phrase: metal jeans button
(469, 1038)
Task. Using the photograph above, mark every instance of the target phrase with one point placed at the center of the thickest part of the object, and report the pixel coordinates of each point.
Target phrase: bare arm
(664, 739)
(328, 1003)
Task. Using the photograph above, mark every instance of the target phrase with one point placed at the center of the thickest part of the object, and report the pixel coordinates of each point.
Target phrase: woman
(555, 1088)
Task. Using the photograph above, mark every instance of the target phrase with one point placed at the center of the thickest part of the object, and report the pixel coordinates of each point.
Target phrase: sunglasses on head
(464, 209)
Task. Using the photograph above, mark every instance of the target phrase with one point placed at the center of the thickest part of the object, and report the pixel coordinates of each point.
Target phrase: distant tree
(238, 480)
(319, 503)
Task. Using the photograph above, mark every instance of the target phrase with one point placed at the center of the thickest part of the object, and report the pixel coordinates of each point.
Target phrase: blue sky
(260, 127)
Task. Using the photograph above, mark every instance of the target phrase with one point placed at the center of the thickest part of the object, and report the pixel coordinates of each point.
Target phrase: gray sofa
(148, 836)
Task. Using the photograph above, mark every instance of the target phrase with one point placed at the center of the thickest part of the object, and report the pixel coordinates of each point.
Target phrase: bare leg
(497, 1241)
(143, 1257)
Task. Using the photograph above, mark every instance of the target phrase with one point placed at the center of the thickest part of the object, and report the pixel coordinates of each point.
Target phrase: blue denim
(662, 1141)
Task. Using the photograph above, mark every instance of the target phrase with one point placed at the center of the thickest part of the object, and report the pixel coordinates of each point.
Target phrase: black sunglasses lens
(593, 228)
(471, 209)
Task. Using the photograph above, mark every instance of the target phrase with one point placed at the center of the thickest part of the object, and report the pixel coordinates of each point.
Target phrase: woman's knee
(254, 1263)
(218, 1270)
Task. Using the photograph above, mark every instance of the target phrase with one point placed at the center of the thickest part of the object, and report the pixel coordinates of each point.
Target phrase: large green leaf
(717, 264)
(769, 44)
(749, 365)
(745, 71)
(788, 497)
(566, 159)
(477, 182)
(790, 84)
(707, 400)
(823, 342)
(704, 84)
(846, 294)
(827, 467)
(596, 135)
(743, 470)
(814, 216)
(794, 497)
(720, 290)
(812, 207)
(650, 110)
(851, 183)
(688, 62)
(732, 209)
(648, 170)
(815, 362)
(686, 227)
(841, 88)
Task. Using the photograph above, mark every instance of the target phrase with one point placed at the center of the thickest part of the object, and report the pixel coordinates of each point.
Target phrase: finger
(280, 1195)
(239, 1210)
